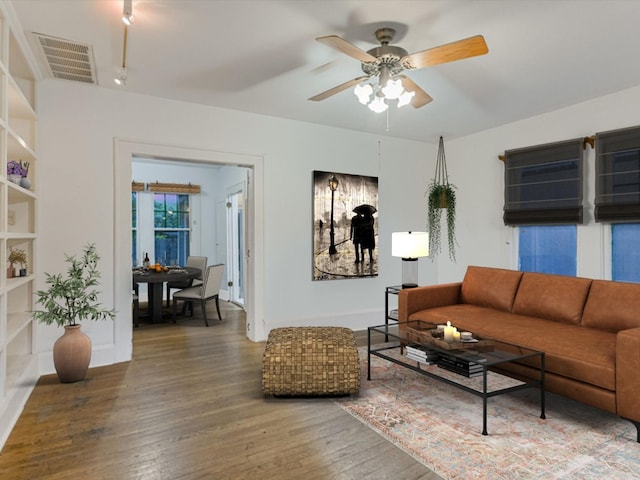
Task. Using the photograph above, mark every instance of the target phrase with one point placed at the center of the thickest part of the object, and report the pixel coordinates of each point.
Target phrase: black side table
(393, 313)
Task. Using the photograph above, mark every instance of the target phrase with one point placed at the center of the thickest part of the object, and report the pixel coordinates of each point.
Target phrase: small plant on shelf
(16, 257)
(18, 168)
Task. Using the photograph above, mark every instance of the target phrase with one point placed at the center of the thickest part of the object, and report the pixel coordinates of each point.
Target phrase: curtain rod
(586, 140)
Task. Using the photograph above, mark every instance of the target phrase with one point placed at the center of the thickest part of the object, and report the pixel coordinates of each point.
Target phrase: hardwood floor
(190, 406)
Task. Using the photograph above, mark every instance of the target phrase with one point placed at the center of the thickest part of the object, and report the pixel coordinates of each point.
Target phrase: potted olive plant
(441, 195)
(68, 300)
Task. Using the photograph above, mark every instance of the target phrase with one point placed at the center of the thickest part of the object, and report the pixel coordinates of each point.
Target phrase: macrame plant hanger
(441, 176)
(441, 198)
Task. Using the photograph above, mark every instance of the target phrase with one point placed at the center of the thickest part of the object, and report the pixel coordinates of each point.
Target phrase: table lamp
(410, 246)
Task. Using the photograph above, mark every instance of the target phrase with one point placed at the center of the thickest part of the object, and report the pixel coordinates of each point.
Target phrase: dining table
(156, 280)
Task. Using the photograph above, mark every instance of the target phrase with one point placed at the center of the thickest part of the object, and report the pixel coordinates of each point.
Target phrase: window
(548, 249)
(625, 255)
(160, 227)
(543, 184)
(618, 175)
(171, 228)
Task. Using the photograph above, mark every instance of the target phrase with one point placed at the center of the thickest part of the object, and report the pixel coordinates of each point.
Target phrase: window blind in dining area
(543, 184)
(186, 188)
(618, 176)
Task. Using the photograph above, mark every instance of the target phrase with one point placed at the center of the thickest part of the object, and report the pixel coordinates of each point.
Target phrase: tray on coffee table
(425, 333)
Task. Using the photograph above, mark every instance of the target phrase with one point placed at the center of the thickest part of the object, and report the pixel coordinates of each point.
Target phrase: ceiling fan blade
(421, 98)
(466, 48)
(350, 49)
(338, 89)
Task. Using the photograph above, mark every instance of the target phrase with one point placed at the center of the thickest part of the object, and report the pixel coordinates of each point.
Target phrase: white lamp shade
(405, 98)
(378, 105)
(363, 92)
(410, 244)
(393, 89)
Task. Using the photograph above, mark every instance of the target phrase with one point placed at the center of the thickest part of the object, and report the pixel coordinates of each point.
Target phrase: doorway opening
(252, 291)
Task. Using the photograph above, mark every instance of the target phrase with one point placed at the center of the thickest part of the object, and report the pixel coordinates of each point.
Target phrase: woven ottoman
(311, 361)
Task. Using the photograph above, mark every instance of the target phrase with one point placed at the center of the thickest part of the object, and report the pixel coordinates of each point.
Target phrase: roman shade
(543, 184)
(618, 175)
(158, 187)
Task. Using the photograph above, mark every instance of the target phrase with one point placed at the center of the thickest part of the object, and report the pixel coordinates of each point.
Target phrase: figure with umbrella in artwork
(362, 232)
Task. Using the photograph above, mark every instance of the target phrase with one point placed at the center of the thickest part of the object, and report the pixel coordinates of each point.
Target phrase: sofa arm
(628, 374)
(411, 300)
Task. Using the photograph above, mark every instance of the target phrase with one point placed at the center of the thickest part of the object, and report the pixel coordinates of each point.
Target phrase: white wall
(77, 125)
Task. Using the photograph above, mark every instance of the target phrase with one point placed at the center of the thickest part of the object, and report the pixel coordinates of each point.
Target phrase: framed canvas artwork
(345, 226)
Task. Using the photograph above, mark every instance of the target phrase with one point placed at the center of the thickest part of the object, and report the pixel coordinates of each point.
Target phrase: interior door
(236, 231)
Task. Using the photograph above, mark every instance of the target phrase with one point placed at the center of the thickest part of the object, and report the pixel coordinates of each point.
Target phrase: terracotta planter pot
(72, 354)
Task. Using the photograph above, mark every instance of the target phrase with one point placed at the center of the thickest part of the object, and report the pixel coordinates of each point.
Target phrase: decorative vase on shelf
(15, 178)
(25, 182)
(11, 271)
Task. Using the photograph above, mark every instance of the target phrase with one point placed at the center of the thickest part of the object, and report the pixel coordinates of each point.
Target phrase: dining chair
(136, 310)
(192, 261)
(209, 290)
(135, 294)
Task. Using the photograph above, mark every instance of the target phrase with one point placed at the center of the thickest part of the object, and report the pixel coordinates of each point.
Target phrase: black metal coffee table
(465, 360)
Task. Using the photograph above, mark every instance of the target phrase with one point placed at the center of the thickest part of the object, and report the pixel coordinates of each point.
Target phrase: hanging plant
(441, 195)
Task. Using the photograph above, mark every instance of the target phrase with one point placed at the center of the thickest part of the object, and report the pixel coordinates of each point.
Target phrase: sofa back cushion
(490, 287)
(612, 306)
(553, 297)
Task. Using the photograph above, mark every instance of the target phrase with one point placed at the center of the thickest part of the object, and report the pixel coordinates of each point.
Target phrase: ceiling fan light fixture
(363, 92)
(405, 98)
(378, 105)
(389, 61)
(393, 89)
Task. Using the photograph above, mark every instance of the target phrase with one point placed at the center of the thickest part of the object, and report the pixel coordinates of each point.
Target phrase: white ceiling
(260, 55)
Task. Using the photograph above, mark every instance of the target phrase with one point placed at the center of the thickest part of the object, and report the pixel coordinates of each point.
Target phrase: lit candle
(448, 332)
(456, 335)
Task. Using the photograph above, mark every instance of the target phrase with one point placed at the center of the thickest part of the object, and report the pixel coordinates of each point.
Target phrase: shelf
(15, 282)
(19, 363)
(17, 236)
(17, 367)
(19, 106)
(16, 323)
(17, 147)
(18, 194)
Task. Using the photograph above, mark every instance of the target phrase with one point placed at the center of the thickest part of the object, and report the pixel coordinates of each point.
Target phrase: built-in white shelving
(18, 227)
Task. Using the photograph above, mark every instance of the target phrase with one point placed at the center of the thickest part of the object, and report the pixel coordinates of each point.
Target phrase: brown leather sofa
(588, 329)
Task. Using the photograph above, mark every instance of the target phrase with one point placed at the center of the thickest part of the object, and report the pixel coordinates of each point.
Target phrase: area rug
(441, 426)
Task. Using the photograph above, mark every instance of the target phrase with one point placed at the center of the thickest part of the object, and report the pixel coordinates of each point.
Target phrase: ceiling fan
(388, 62)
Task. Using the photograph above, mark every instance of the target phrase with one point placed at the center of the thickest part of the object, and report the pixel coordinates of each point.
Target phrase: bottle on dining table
(146, 263)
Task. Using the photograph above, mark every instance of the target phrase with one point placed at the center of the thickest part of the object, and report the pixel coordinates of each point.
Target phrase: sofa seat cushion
(580, 353)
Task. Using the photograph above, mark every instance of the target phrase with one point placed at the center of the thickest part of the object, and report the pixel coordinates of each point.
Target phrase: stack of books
(462, 366)
(421, 354)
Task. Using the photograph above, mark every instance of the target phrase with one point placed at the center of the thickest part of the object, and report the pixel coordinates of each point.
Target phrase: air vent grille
(66, 59)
